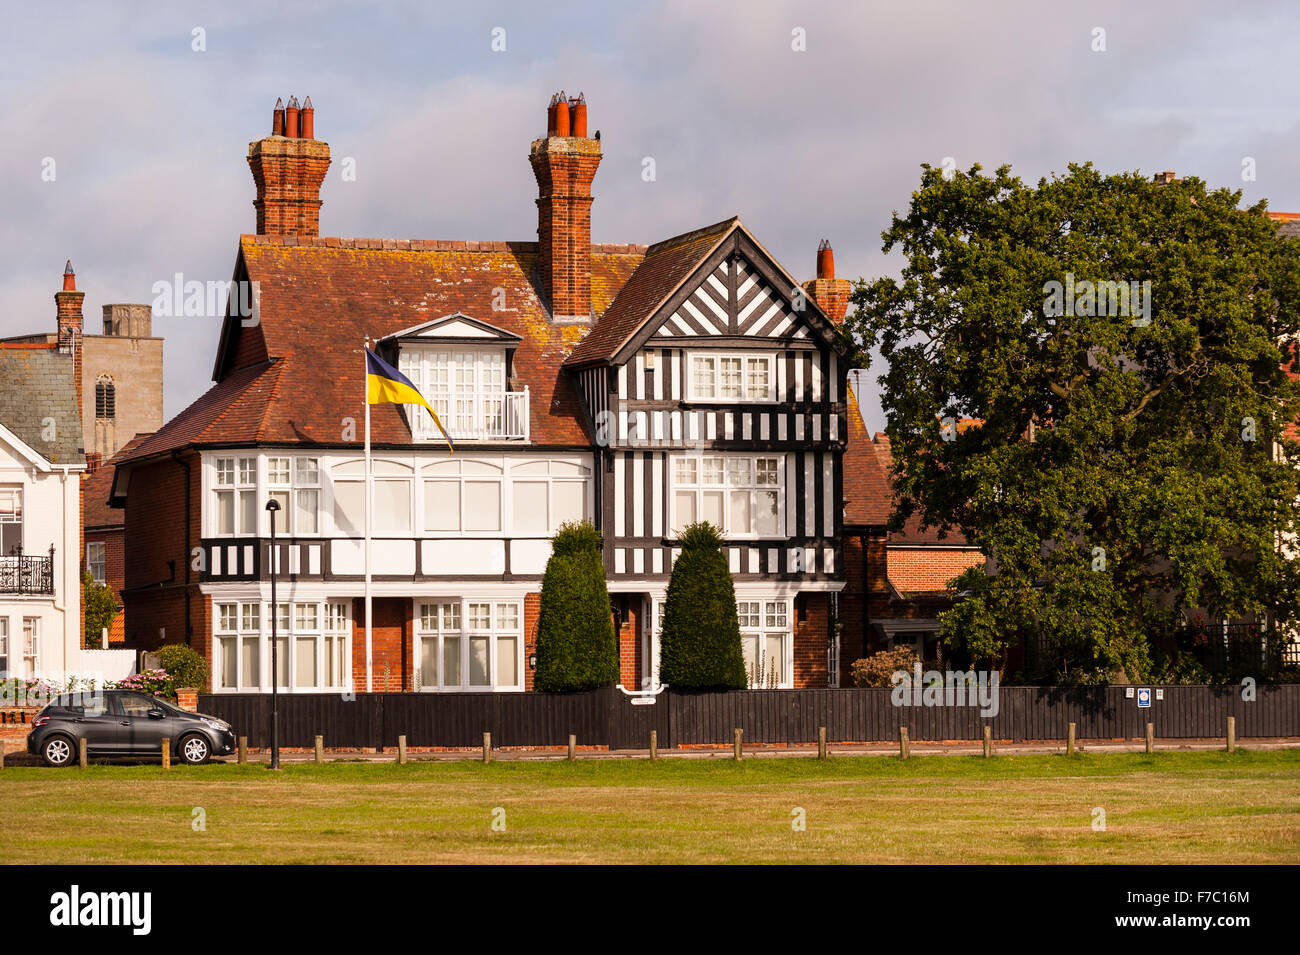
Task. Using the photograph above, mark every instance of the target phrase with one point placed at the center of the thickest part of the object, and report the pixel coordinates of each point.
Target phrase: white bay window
(740, 495)
(469, 644)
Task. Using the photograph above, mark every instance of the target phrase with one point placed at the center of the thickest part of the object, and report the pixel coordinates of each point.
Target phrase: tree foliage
(1120, 468)
(700, 647)
(576, 645)
(99, 608)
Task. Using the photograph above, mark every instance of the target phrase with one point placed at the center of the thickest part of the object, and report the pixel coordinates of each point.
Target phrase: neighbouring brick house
(639, 387)
(897, 582)
(104, 533)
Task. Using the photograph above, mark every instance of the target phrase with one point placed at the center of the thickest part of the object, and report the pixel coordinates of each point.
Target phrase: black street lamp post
(273, 506)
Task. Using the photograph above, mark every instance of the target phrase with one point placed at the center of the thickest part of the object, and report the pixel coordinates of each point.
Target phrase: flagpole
(365, 382)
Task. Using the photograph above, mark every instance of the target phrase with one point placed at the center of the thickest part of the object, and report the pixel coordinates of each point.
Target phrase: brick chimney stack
(68, 302)
(565, 164)
(289, 167)
(830, 294)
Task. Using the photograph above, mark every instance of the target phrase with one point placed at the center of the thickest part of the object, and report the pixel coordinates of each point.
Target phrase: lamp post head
(272, 505)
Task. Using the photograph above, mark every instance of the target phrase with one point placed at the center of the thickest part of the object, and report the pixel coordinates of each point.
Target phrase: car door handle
(126, 722)
(79, 720)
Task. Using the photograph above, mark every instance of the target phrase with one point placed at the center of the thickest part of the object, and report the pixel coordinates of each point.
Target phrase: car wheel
(57, 751)
(195, 750)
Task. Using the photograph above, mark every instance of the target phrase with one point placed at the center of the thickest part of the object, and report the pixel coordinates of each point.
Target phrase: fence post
(573, 747)
(1069, 740)
(1151, 738)
(1232, 734)
(81, 752)
(401, 751)
(243, 750)
(320, 750)
(2, 755)
(988, 740)
(821, 742)
(654, 745)
(487, 748)
(902, 742)
(736, 751)
(166, 753)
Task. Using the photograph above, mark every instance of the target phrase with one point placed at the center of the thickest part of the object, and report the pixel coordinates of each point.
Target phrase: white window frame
(12, 513)
(4, 647)
(304, 478)
(678, 521)
(466, 385)
(100, 561)
(241, 466)
(320, 621)
(774, 617)
(31, 648)
(695, 394)
(505, 621)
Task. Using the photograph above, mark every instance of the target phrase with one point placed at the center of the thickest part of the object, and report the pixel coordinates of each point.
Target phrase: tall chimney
(830, 294)
(289, 167)
(68, 303)
(565, 166)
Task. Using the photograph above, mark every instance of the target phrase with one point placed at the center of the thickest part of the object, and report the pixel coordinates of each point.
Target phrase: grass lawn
(1166, 807)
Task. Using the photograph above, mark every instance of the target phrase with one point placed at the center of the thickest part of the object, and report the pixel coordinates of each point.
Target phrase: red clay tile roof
(868, 494)
(95, 509)
(321, 296)
(665, 266)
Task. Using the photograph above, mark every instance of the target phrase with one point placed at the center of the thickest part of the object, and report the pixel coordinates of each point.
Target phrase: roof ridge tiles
(444, 245)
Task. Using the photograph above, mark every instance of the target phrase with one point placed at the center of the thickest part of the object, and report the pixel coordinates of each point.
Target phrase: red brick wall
(390, 637)
(114, 573)
(288, 174)
(629, 645)
(532, 604)
(564, 168)
(811, 640)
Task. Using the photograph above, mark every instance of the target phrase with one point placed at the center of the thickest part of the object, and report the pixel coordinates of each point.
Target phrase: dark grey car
(124, 723)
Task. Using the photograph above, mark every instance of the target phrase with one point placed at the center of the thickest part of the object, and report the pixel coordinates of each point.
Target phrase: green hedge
(576, 645)
(700, 647)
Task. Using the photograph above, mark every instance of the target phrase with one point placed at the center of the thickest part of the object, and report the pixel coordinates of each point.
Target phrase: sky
(806, 121)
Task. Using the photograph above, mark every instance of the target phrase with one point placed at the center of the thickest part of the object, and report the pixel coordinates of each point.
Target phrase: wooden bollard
(81, 752)
(902, 742)
(821, 742)
(988, 741)
(320, 750)
(736, 750)
(1232, 734)
(573, 747)
(1151, 737)
(401, 751)
(166, 753)
(1069, 739)
(242, 749)
(654, 745)
(487, 748)
(2, 755)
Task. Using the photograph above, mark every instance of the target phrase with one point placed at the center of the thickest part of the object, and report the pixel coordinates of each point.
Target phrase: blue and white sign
(1144, 697)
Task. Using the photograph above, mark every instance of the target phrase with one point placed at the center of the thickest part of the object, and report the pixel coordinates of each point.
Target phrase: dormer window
(462, 367)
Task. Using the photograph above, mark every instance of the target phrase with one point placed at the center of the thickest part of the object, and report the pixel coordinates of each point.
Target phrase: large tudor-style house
(640, 388)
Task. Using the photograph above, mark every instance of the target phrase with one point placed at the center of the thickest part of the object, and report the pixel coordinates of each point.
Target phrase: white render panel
(528, 556)
(348, 556)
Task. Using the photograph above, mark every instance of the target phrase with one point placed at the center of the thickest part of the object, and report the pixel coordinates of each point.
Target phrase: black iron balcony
(20, 574)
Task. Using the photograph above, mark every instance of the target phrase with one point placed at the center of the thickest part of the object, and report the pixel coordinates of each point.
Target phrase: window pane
(248, 470)
(228, 617)
(225, 512)
(711, 471)
(305, 664)
(308, 505)
(248, 512)
(451, 616)
(251, 659)
(282, 515)
(225, 470)
(775, 662)
(738, 472)
(507, 664)
(530, 508)
(392, 512)
(766, 513)
(478, 661)
(442, 505)
(702, 372)
(282, 660)
(569, 501)
(429, 662)
(758, 378)
(729, 378)
(766, 471)
(739, 512)
(482, 505)
(251, 614)
(306, 471)
(749, 644)
(229, 661)
(304, 617)
(711, 509)
(350, 508)
(685, 503)
(685, 470)
(507, 616)
(277, 470)
(480, 616)
(451, 661)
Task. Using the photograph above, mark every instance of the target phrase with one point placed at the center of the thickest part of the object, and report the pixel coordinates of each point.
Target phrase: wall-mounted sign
(1144, 697)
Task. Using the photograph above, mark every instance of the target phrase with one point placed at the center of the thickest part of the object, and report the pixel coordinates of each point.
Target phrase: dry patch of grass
(1169, 807)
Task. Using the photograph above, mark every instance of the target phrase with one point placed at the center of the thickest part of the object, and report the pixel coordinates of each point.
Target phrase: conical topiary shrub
(576, 646)
(700, 647)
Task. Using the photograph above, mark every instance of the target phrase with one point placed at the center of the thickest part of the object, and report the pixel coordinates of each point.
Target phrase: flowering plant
(155, 682)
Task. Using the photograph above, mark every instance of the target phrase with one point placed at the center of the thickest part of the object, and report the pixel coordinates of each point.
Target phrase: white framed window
(96, 561)
(4, 647)
(31, 645)
(235, 493)
(732, 376)
(766, 641)
(336, 663)
(463, 497)
(469, 644)
(312, 640)
(293, 482)
(546, 494)
(466, 387)
(238, 656)
(741, 495)
(11, 521)
(392, 506)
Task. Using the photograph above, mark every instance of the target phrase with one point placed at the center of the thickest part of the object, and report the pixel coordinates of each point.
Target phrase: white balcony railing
(474, 416)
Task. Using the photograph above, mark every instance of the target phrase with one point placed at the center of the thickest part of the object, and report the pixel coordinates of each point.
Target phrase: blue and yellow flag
(385, 384)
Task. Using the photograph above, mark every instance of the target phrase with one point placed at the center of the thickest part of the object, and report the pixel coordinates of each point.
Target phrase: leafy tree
(700, 647)
(576, 646)
(1119, 468)
(99, 607)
